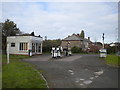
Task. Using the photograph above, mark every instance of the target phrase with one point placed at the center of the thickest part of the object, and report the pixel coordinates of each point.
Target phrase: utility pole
(103, 40)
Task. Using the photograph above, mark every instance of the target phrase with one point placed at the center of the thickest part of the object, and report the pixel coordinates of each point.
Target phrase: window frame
(12, 44)
(23, 46)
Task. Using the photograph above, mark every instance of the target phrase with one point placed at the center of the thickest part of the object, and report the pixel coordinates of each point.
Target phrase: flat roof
(24, 35)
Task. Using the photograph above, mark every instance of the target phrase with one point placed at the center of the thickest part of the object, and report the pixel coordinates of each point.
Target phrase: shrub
(48, 44)
(111, 50)
(76, 49)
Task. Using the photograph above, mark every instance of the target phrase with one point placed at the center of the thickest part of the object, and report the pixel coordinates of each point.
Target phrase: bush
(48, 44)
(47, 49)
(111, 50)
(76, 49)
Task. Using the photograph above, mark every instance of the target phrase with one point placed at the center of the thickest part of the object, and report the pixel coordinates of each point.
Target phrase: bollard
(30, 52)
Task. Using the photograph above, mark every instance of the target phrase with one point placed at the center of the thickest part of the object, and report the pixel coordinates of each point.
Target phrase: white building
(23, 44)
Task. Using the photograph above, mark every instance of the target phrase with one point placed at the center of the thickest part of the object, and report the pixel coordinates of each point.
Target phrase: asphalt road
(77, 71)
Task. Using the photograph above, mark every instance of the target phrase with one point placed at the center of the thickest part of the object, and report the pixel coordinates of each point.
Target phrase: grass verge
(113, 60)
(20, 74)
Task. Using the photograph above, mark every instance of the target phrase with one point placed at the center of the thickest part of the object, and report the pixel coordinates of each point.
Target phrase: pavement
(76, 71)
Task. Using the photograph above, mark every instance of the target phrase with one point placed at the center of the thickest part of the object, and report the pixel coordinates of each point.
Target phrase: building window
(23, 46)
(12, 44)
(33, 47)
(39, 48)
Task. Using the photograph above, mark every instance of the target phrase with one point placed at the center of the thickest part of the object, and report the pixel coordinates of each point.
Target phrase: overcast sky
(60, 19)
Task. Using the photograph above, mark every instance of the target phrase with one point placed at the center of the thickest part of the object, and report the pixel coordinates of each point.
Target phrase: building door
(33, 47)
(36, 48)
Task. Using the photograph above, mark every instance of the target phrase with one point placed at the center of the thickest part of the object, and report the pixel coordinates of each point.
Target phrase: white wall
(18, 39)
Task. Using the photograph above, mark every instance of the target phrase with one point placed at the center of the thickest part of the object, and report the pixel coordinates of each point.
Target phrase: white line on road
(87, 82)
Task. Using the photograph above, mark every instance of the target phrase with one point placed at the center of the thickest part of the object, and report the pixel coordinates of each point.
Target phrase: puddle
(87, 82)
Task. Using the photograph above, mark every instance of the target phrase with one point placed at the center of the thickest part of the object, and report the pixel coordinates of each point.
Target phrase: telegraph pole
(103, 40)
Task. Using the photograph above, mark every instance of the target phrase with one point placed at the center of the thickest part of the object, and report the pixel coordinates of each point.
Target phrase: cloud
(60, 19)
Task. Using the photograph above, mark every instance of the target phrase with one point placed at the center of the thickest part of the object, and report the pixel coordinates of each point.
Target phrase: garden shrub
(76, 49)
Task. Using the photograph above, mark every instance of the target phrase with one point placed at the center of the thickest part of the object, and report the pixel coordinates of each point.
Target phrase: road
(77, 71)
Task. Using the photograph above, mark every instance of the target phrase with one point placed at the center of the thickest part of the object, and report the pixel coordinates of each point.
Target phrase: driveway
(77, 71)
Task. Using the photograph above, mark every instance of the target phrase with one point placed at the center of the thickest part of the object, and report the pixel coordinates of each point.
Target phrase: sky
(57, 20)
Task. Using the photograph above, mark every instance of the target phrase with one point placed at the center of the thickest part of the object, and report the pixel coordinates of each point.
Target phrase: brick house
(75, 40)
(94, 47)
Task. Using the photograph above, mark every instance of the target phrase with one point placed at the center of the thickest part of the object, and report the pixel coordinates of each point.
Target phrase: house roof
(75, 37)
(24, 35)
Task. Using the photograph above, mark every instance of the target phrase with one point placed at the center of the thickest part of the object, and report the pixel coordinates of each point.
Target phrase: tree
(111, 50)
(48, 44)
(82, 35)
(9, 28)
(32, 34)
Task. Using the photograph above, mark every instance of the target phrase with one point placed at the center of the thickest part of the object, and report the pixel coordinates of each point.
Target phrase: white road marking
(70, 71)
(99, 72)
(81, 84)
(91, 78)
(82, 79)
(96, 76)
(77, 81)
(87, 82)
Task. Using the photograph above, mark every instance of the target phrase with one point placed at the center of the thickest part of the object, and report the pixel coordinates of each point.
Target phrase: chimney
(88, 38)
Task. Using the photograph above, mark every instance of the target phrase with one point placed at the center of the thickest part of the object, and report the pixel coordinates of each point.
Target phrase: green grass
(113, 60)
(19, 74)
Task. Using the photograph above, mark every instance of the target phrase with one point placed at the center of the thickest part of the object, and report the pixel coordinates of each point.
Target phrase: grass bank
(113, 60)
(20, 74)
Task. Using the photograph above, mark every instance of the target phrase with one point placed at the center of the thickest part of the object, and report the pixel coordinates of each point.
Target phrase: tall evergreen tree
(82, 34)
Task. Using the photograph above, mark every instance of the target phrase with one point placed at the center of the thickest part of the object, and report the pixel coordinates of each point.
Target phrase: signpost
(8, 57)
(103, 40)
(103, 51)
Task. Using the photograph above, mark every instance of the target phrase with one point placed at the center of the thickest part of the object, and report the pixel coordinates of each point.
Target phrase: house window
(12, 44)
(23, 46)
